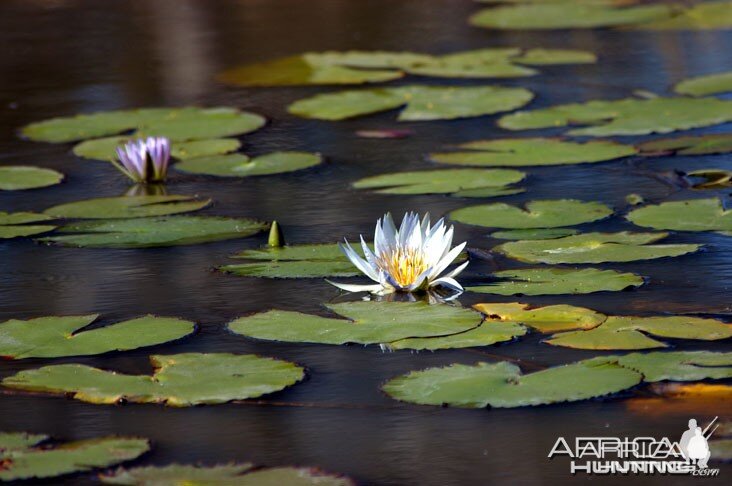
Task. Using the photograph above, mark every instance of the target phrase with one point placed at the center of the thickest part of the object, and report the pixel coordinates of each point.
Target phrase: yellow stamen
(404, 265)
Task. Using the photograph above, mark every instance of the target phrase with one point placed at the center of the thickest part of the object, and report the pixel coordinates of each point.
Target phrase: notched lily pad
(179, 380)
(534, 233)
(594, 248)
(522, 152)
(679, 365)
(689, 215)
(716, 143)
(26, 456)
(535, 214)
(555, 281)
(486, 334)
(423, 103)
(458, 182)
(54, 337)
(127, 207)
(21, 177)
(106, 148)
(153, 232)
(547, 319)
(240, 165)
(13, 225)
(625, 117)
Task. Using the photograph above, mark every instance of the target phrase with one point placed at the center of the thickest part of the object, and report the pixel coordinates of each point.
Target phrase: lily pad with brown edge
(362, 323)
(546, 213)
(22, 177)
(14, 225)
(716, 143)
(679, 365)
(546, 319)
(238, 473)
(523, 152)
(153, 232)
(566, 15)
(486, 334)
(179, 380)
(57, 336)
(422, 103)
(31, 456)
(709, 84)
(556, 281)
(177, 124)
(458, 182)
(688, 215)
(106, 148)
(503, 385)
(631, 332)
(240, 165)
(628, 116)
(127, 207)
(594, 248)
(700, 16)
(534, 233)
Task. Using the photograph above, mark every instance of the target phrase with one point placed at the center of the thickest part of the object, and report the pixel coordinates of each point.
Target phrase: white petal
(447, 260)
(359, 262)
(357, 288)
(457, 270)
(370, 257)
(419, 280)
(450, 283)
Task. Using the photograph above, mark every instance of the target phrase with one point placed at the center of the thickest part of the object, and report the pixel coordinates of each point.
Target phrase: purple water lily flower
(144, 160)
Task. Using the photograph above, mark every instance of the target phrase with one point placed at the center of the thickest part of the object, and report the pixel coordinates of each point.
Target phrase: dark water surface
(61, 57)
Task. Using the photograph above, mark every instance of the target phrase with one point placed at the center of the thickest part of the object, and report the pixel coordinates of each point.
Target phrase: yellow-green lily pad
(54, 337)
(106, 148)
(700, 16)
(486, 334)
(716, 143)
(679, 365)
(14, 225)
(127, 207)
(535, 214)
(706, 85)
(458, 182)
(688, 215)
(21, 177)
(423, 103)
(240, 165)
(547, 319)
(179, 380)
(625, 117)
(522, 152)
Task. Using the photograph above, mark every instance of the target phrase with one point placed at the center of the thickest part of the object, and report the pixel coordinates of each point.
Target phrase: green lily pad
(25, 456)
(366, 323)
(502, 385)
(713, 178)
(54, 337)
(423, 103)
(13, 225)
(594, 248)
(310, 252)
(537, 214)
(630, 332)
(522, 152)
(534, 234)
(239, 474)
(688, 215)
(456, 181)
(127, 207)
(701, 16)
(625, 117)
(179, 380)
(547, 319)
(177, 124)
(544, 57)
(566, 15)
(240, 165)
(483, 335)
(154, 232)
(679, 365)
(21, 177)
(706, 85)
(106, 148)
(555, 281)
(717, 143)
(479, 63)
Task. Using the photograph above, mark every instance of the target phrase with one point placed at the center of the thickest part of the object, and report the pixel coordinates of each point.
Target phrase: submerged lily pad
(21, 177)
(537, 214)
(179, 380)
(700, 16)
(239, 474)
(366, 323)
(423, 103)
(625, 117)
(688, 215)
(520, 152)
(502, 385)
(716, 143)
(594, 248)
(13, 225)
(706, 85)
(154, 232)
(534, 233)
(54, 337)
(458, 182)
(240, 165)
(679, 365)
(25, 456)
(566, 15)
(554, 281)
(547, 319)
(127, 207)
(177, 124)
(106, 148)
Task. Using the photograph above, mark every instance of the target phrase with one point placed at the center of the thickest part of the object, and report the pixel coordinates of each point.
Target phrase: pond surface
(63, 57)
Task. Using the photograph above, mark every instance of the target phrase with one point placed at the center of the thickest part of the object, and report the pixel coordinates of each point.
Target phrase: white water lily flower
(407, 259)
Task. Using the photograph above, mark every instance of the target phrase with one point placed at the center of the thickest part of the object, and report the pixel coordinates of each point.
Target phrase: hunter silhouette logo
(694, 443)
